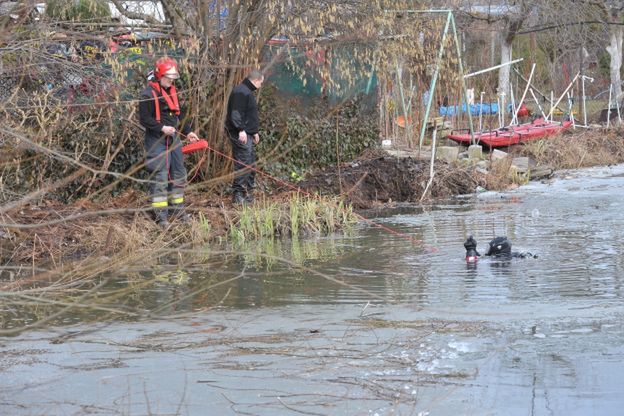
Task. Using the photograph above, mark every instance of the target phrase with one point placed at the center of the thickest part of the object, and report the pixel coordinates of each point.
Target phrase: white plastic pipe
(492, 68)
(564, 93)
(539, 106)
(502, 110)
(481, 112)
(513, 105)
(515, 117)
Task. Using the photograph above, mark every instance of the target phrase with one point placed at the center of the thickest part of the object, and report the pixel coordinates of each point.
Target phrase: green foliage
(296, 140)
(77, 9)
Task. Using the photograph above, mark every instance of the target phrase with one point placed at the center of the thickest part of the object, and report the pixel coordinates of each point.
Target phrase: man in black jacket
(159, 113)
(242, 125)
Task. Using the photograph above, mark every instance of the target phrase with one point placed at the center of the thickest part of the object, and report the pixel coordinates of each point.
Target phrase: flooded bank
(361, 324)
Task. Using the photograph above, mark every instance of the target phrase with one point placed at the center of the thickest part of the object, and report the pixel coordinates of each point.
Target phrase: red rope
(298, 189)
(197, 166)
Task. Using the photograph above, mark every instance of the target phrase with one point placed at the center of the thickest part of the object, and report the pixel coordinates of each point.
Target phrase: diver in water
(471, 250)
(499, 248)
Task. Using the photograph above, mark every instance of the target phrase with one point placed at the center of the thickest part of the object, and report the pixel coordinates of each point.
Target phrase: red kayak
(507, 136)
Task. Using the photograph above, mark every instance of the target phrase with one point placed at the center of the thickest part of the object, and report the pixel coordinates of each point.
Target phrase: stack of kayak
(507, 136)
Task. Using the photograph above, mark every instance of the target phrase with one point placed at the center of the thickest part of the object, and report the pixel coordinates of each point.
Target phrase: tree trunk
(615, 52)
(504, 72)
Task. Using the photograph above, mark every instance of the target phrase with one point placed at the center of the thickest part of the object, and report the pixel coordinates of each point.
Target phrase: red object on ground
(523, 111)
(510, 135)
(194, 147)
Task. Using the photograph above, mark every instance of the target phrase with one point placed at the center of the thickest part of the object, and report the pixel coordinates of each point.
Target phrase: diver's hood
(498, 246)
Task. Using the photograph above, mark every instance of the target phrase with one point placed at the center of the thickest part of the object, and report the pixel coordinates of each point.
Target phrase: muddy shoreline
(61, 233)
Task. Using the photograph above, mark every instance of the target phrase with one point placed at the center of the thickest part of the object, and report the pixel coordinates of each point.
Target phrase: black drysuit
(242, 115)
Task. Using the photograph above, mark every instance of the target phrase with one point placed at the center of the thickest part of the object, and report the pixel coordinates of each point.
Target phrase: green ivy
(295, 142)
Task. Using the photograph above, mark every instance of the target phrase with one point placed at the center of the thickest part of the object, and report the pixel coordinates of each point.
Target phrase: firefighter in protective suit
(159, 113)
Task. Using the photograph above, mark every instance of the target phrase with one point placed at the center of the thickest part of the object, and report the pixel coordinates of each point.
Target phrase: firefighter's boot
(178, 213)
(160, 216)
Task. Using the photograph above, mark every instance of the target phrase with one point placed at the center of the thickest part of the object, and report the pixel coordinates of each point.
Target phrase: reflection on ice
(367, 323)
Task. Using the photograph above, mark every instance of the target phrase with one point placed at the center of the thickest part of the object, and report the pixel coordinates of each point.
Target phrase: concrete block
(447, 153)
(475, 152)
(498, 155)
(541, 172)
(521, 164)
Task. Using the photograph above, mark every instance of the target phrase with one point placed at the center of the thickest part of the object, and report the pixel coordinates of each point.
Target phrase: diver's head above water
(471, 249)
(499, 247)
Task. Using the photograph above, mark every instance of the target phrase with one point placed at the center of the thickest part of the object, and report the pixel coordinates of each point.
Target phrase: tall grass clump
(300, 215)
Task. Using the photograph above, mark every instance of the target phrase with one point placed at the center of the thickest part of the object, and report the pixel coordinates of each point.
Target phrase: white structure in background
(470, 96)
(152, 8)
(12, 9)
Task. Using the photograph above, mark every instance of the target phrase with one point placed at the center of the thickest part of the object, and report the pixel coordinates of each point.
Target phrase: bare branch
(133, 15)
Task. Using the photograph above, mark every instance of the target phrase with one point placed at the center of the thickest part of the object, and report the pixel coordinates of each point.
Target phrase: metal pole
(481, 112)
(463, 80)
(482, 71)
(434, 80)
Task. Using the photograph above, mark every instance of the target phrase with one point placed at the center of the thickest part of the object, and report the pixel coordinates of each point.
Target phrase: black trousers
(244, 156)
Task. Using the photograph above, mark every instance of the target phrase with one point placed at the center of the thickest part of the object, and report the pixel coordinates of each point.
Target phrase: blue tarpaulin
(475, 109)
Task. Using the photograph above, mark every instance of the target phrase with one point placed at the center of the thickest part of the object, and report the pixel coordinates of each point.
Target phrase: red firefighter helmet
(166, 67)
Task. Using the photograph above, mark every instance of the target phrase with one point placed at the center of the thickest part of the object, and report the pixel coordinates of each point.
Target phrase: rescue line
(205, 146)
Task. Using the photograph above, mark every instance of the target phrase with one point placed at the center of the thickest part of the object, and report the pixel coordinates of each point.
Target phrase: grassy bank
(58, 235)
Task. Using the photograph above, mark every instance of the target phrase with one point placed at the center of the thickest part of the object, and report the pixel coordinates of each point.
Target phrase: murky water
(363, 324)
